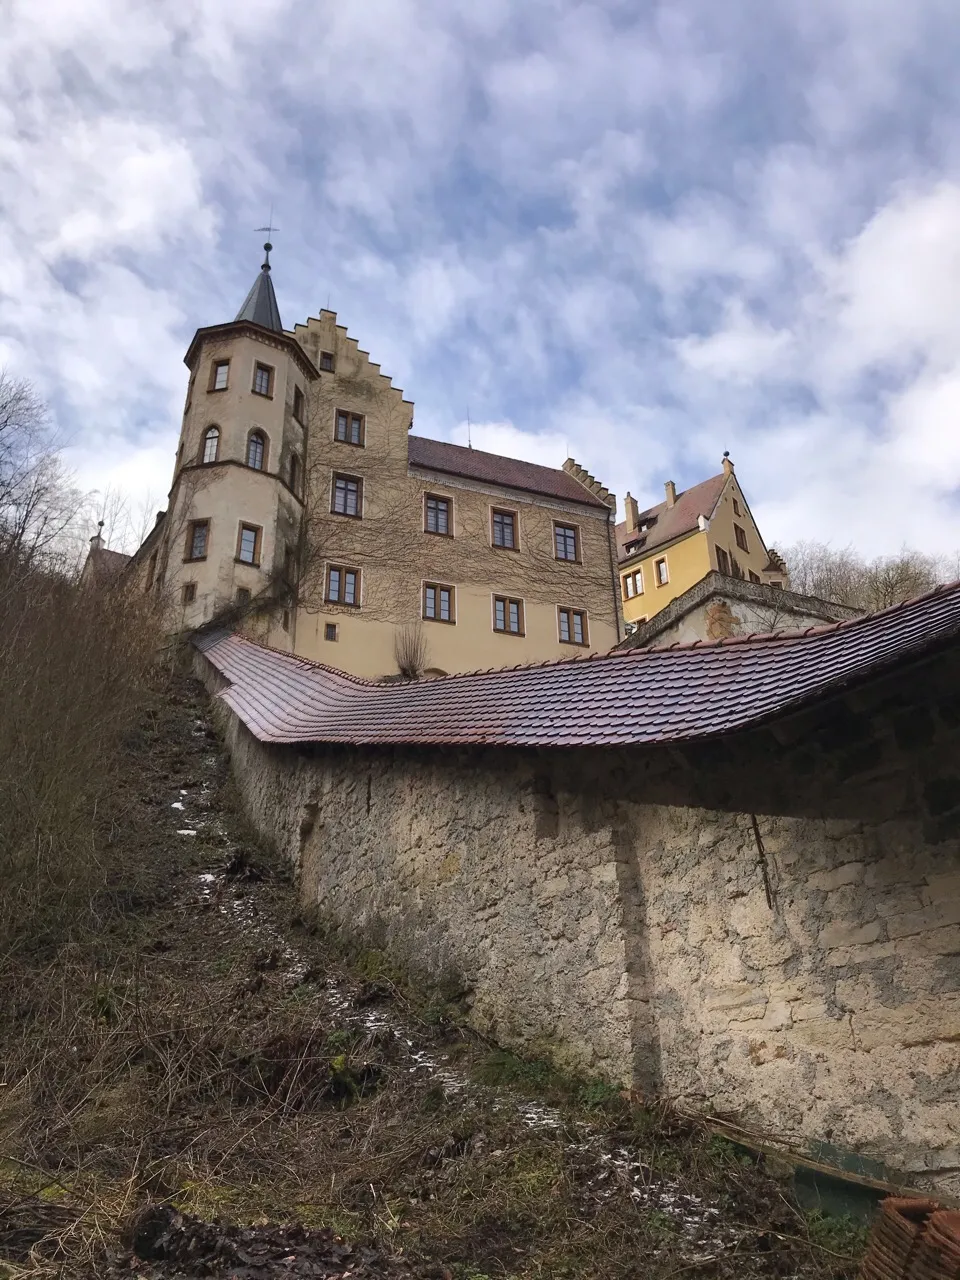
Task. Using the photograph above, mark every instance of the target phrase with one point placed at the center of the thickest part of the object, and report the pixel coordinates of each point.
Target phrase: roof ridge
(487, 453)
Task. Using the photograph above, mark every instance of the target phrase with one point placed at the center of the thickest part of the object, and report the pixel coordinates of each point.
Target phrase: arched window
(211, 444)
(256, 449)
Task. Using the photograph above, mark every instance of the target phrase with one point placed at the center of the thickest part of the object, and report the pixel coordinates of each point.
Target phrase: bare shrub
(73, 664)
(410, 651)
(843, 575)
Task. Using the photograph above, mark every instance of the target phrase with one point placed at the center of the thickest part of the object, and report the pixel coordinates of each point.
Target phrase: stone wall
(766, 926)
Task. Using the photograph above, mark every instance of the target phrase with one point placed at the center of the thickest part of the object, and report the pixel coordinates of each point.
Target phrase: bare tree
(39, 504)
(843, 575)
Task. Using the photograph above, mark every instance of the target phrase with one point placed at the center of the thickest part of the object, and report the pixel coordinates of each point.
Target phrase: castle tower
(231, 536)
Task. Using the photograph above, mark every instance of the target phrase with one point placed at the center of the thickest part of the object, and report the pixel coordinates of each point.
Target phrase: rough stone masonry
(765, 926)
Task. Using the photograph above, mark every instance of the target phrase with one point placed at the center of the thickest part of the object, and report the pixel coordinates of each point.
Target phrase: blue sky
(643, 233)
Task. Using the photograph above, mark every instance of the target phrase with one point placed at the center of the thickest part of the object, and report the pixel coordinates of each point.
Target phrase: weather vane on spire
(269, 229)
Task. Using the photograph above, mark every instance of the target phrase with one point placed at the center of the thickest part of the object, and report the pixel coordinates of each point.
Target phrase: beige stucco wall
(717, 619)
(611, 907)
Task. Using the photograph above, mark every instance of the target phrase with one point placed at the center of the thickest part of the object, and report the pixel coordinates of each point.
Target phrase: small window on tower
(243, 595)
(211, 444)
(189, 592)
(219, 374)
(330, 631)
(256, 450)
(298, 404)
(326, 361)
(262, 379)
(350, 427)
(248, 544)
(198, 537)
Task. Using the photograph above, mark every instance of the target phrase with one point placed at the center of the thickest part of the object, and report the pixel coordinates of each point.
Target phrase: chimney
(727, 464)
(671, 489)
(631, 513)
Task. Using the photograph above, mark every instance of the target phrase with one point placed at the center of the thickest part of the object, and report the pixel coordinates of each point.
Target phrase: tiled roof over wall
(491, 468)
(673, 522)
(635, 697)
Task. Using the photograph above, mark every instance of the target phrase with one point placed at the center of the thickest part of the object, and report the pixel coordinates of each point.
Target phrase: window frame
(294, 472)
(515, 517)
(216, 365)
(438, 497)
(507, 601)
(753, 576)
(736, 507)
(327, 628)
(257, 433)
(351, 417)
(327, 368)
(740, 536)
(358, 586)
(664, 581)
(577, 557)
(257, 531)
(192, 527)
(723, 561)
(243, 596)
(439, 586)
(270, 370)
(299, 403)
(350, 479)
(572, 613)
(188, 593)
(204, 460)
(636, 576)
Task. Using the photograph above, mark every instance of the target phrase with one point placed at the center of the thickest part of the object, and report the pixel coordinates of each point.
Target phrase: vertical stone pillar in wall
(637, 983)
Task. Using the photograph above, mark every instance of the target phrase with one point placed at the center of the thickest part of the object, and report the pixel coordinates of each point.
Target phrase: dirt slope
(210, 1068)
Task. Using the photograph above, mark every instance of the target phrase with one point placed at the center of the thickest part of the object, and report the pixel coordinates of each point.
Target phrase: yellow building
(304, 512)
(667, 549)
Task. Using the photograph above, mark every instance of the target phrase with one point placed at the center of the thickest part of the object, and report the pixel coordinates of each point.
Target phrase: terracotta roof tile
(491, 468)
(622, 698)
(673, 522)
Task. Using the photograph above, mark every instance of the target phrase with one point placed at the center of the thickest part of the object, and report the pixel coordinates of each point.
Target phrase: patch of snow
(186, 831)
(177, 804)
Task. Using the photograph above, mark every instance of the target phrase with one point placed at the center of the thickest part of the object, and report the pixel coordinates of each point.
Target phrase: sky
(637, 233)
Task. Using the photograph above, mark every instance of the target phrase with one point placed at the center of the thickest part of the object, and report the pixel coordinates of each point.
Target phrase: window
(198, 537)
(330, 631)
(219, 374)
(347, 496)
(723, 561)
(326, 361)
(262, 379)
(248, 544)
(349, 427)
(438, 602)
(343, 585)
(285, 620)
(189, 593)
(754, 577)
(298, 404)
(565, 542)
(151, 570)
(243, 595)
(256, 450)
(660, 572)
(572, 624)
(741, 537)
(508, 615)
(436, 518)
(211, 444)
(295, 473)
(777, 585)
(505, 530)
(633, 584)
(736, 507)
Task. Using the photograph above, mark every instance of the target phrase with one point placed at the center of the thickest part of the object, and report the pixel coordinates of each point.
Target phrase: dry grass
(208, 1050)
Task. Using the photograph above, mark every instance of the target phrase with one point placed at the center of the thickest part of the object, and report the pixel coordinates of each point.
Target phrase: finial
(100, 524)
(726, 453)
(269, 229)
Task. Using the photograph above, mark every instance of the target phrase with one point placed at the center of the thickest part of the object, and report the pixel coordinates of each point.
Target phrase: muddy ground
(209, 1089)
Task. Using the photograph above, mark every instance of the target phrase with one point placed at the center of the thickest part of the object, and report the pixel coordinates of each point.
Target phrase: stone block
(823, 1035)
(842, 956)
(736, 995)
(849, 933)
(933, 917)
(805, 1010)
(925, 1021)
(554, 887)
(778, 1016)
(849, 873)
(898, 902)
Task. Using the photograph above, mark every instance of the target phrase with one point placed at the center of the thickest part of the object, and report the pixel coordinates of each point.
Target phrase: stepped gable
(510, 473)
(668, 523)
(642, 696)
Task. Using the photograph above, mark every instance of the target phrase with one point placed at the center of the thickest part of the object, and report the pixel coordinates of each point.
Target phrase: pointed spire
(260, 304)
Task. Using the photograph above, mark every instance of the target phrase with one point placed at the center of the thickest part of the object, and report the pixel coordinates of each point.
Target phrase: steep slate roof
(622, 698)
(491, 468)
(104, 564)
(260, 304)
(674, 522)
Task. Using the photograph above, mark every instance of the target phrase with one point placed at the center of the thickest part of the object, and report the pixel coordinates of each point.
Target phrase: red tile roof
(673, 522)
(621, 698)
(491, 468)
